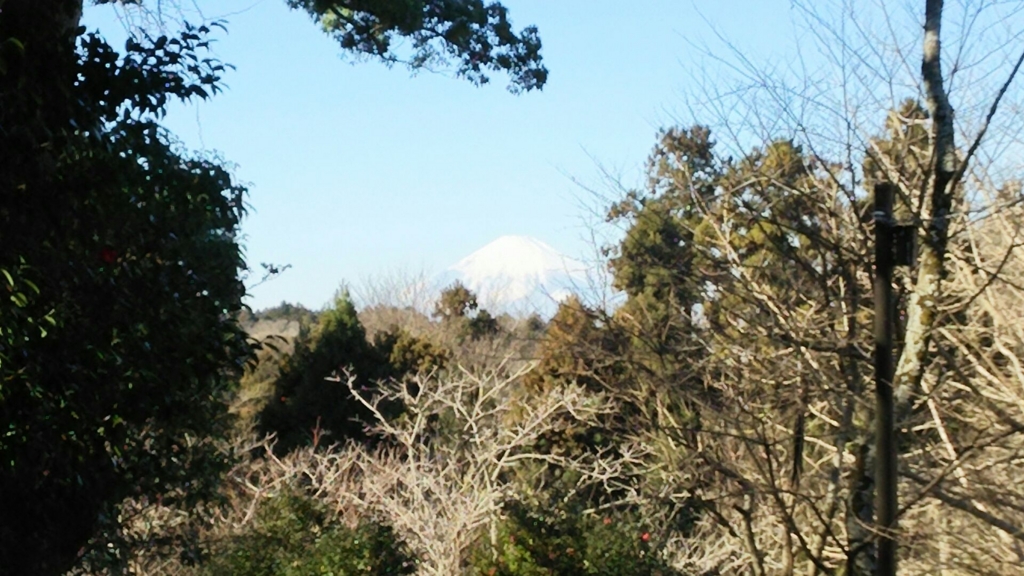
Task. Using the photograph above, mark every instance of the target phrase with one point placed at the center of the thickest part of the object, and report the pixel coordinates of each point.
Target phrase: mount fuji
(518, 275)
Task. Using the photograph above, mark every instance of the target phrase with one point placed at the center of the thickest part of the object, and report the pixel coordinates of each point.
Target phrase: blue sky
(358, 170)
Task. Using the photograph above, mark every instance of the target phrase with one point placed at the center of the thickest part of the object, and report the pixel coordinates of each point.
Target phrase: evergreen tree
(121, 265)
(120, 268)
(407, 354)
(457, 308)
(663, 265)
(576, 348)
(455, 301)
(305, 400)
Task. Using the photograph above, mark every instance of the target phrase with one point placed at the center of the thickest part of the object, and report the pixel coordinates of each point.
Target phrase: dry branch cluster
(440, 473)
(781, 458)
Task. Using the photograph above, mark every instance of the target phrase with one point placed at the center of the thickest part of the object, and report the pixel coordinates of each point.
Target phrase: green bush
(534, 541)
(304, 399)
(409, 355)
(293, 535)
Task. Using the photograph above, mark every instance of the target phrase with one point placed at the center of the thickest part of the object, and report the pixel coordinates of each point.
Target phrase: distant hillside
(278, 327)
(284, 320)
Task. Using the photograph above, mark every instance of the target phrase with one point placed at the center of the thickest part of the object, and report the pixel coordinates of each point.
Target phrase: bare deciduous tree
(443, 471)
(783, 457)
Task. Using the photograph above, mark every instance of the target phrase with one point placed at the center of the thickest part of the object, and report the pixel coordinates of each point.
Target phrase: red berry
(108, 255)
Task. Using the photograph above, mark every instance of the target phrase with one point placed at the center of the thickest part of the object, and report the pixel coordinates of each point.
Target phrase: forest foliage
(719, 419)
(122, 267)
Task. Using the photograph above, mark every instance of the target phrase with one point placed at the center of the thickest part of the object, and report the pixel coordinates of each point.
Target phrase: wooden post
(885, 434)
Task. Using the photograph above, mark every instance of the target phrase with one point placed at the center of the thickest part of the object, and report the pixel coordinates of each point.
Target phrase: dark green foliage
(120, 267)
(534, 325)
(780, 237)
(457, 307)
(578, 348)
(292, 535)
(476, 37)
(304, 399)
(119, 284)
(482, 325)
(408, 354)
(650, 349)
(660, 264)
(565, 541)
(455, 301)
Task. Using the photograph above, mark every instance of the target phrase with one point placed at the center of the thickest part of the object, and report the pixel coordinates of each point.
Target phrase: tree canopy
(475, 37)
(121, 264)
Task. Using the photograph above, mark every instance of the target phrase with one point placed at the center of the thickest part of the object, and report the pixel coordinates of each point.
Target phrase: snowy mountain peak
(517, 274)
(513, 256)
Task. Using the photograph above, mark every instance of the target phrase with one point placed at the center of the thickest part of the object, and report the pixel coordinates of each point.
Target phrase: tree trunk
(923, 303)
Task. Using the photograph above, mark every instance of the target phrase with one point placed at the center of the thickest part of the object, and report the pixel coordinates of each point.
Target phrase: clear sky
(357, 169)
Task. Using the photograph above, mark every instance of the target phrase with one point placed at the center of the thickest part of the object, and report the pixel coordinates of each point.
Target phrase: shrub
(538, 541)
(293, 535)
(408, 354)
(303, 398)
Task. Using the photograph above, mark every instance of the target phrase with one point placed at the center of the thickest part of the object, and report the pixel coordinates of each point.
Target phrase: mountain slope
(517, 274)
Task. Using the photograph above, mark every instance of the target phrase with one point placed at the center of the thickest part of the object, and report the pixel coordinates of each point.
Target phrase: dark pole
(885, 436)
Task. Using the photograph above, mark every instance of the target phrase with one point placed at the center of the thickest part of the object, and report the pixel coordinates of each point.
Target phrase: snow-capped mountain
(517, 274)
